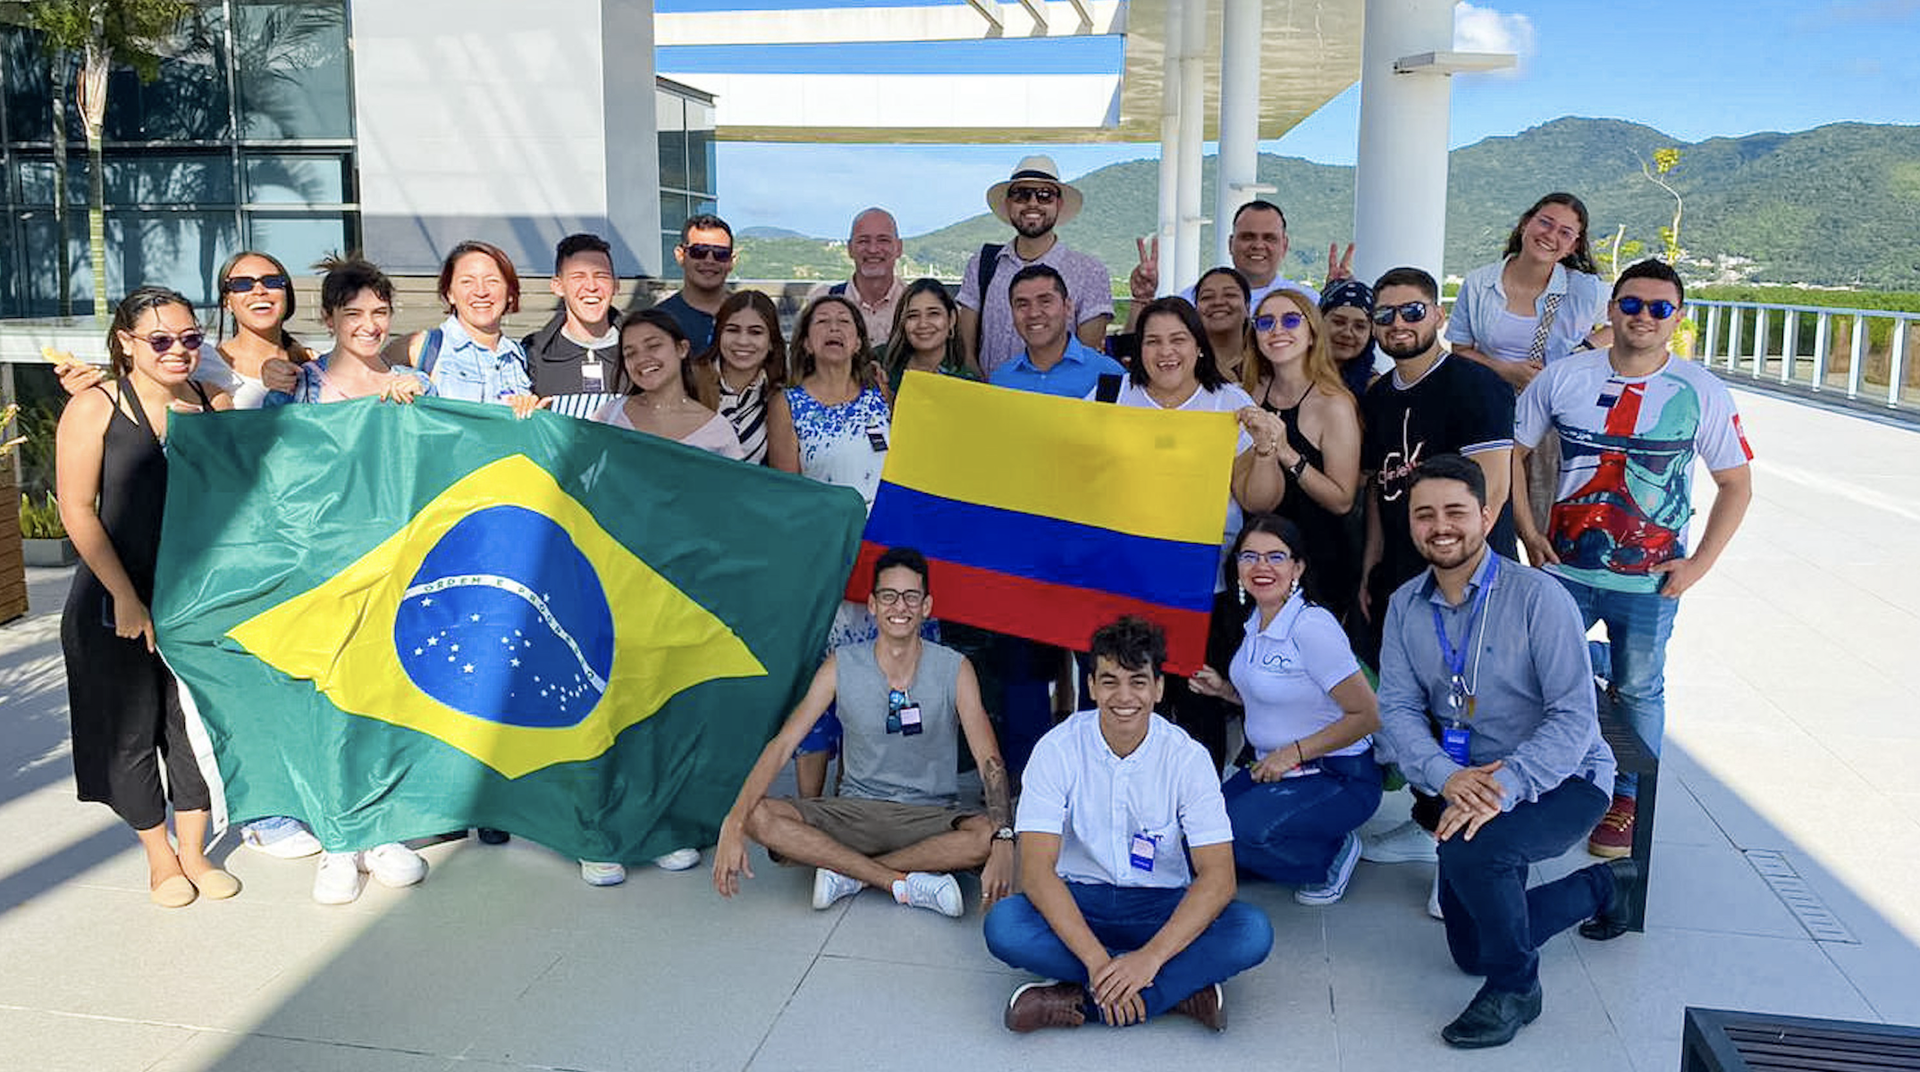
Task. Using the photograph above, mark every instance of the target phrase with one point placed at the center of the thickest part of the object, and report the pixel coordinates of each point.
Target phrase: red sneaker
(1613, 837)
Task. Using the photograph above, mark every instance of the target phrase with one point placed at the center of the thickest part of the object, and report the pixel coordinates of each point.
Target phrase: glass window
(292, 63)
(29, 96)
(138, 177)
(182, 250)
(299, 179)
(671, 114)
(300, 241)
(188, 101)
(700, 148)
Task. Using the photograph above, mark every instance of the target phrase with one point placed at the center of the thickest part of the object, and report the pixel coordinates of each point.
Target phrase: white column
(1239, 160)
(1169, 228)
(1400, 180)
(1193, 121)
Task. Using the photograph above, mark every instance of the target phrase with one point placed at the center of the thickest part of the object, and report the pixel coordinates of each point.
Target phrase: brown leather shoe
(1038, 1005)
(1207, 1005)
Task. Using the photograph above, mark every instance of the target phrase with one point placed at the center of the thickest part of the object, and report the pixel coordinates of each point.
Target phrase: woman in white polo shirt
(1310, 712)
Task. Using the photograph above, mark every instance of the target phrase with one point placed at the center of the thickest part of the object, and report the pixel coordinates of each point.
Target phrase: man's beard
(1417, 348)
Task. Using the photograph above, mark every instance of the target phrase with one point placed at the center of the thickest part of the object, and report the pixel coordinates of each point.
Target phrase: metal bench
(1632, 754)
(1719, 1040)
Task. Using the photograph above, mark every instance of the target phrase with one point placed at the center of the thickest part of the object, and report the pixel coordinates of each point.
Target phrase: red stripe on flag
(1050, 613)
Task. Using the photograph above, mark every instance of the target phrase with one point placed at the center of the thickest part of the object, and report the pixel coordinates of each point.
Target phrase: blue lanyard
(1456, 658)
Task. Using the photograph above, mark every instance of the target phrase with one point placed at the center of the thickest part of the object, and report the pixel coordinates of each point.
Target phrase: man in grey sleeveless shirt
(904, 705)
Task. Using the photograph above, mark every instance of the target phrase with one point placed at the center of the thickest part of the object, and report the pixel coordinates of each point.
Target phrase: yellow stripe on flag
(1155, 473)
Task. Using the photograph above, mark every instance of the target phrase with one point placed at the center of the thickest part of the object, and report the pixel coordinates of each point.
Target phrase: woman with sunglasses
(1536, 304)
(112, 476)
(746, 363)
(925, 335)
(256, 291)
(1175, 370)
(1295, 380)
(1296, 809)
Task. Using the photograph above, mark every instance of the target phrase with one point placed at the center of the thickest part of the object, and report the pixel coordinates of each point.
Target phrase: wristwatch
(1298, 467)
(1005, 833)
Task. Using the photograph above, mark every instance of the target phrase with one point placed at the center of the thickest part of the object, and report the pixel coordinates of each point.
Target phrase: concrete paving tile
(1887, 763)
(213, 1051)
(1705, 888)
(872, 926)
(52, 1042)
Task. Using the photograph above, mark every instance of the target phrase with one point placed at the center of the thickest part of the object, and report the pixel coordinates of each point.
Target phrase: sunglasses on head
(1267, 321)
(240, 284)
(701, 251)
(1661, 308)
(1045, 195)
(1412, 312)
(162, 342)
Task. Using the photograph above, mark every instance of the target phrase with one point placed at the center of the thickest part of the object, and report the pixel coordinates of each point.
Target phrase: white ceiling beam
(972, 21)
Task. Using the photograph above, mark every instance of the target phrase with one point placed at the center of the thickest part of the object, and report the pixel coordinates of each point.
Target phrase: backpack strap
(989, 263)
(838, 289)
(430, 352)
(1108, 389)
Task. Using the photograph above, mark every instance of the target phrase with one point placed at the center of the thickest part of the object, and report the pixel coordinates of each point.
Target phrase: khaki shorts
(877, 827)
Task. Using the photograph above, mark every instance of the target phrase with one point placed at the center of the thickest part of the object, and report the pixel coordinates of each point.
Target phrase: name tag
(910, 720)
(1456, 741)
(1140, 853)
(592, 376)
(877, 438)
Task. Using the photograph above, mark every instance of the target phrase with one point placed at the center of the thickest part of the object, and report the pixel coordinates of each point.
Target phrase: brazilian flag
(398, 620)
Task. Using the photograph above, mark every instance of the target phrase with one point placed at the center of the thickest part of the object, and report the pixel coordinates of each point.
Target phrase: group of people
(1371, 619)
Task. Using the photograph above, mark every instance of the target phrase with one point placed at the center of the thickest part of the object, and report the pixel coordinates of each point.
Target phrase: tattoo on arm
(993, 785)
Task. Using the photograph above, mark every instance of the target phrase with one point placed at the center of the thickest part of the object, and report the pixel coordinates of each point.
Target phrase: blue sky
(1695, 69)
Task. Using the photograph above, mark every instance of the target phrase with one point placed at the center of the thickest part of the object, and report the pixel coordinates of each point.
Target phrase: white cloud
(1482, 29)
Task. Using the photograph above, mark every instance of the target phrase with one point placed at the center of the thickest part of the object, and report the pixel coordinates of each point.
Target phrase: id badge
(910, 720)
(592, 377)
(877, 438)
(893, 721)
(1140, 853)
(1455, 741)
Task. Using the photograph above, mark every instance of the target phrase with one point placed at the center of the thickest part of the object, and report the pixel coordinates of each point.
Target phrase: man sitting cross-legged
(903, 704)
(1113, 803)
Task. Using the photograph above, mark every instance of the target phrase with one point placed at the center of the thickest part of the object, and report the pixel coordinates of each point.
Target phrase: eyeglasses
(162, 342)
(240, 284)
(1045, 195)
(1266, 322)
(701, 251)
(887, 597)
(1271, 558)
(1412, 312)
(1660, 308)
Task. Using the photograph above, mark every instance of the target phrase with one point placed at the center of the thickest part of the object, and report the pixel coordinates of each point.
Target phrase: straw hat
(1035, 169)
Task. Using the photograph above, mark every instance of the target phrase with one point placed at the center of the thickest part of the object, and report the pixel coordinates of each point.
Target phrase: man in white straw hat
(1034, 201)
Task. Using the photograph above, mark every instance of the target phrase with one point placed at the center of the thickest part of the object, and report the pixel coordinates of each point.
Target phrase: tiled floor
(1789, 730)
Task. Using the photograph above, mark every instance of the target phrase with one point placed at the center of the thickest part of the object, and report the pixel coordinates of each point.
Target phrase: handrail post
(1857, 359)
(1759, 341)
(1711, 338)
(1822, 336)
(1734, 323)
(1897, 362)
(1790, 347)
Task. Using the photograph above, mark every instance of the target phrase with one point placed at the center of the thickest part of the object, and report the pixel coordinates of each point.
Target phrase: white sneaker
(924, 889)
(599, 874)
(394, 864)
(1404, 844)
(678, 860)
(831, 887)
(279, 836)
(1433, 899)
(1335, 887)
(337, 881)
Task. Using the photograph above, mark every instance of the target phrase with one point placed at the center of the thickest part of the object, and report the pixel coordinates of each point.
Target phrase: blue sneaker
(1338, 875)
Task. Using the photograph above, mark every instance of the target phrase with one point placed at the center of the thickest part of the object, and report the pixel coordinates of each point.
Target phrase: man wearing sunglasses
(705, 256)
(905, 705)
(1034, 201)
(1631, 420)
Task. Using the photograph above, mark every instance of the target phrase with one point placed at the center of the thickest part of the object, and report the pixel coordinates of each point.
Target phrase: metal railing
(1859, 355)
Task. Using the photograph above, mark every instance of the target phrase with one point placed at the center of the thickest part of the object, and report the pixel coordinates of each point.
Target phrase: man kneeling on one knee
(903, 705)
(1112, 804)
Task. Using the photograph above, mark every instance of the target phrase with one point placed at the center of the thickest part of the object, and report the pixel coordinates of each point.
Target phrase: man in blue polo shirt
(1054, 362)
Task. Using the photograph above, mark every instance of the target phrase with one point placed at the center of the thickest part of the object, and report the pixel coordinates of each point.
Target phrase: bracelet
(1301, 752)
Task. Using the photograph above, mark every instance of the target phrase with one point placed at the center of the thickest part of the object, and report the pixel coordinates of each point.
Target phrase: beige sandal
(176, 892)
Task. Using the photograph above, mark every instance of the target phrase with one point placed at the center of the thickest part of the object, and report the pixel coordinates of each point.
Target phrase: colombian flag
(1047, 517)
(399, 620)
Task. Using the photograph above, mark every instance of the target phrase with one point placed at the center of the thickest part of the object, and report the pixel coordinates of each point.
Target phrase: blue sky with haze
(1694, 69)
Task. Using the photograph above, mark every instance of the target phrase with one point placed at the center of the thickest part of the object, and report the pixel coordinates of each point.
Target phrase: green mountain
(1838, 205)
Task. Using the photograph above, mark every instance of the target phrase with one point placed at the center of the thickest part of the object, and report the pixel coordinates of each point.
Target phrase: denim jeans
(1124, 918)
(1495, 924)
(1290, 830)
(1638, 625)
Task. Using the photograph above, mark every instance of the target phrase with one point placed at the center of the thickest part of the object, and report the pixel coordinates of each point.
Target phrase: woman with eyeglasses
(1296, 809)
(1536, 304)
(1175, 370)
(745, 365)
(925, 335)
(111, 460)
(1295, 380)
(1347, 308)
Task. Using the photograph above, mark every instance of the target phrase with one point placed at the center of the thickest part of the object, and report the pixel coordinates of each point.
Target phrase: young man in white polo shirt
(1115, 801)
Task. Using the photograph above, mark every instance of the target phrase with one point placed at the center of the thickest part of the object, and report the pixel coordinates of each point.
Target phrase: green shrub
(41, 521)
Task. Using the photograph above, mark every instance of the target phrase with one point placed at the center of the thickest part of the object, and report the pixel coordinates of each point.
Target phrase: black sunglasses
(162, 342)
(1265, 322)
(1413, 312)
(240, 284)
(1045, 195)
(701, 251)
(1661, 308)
